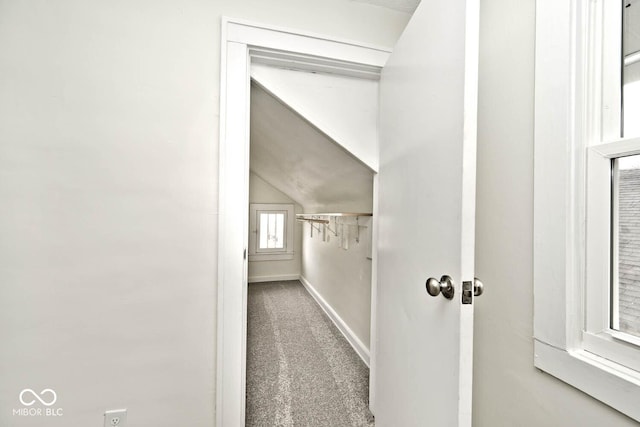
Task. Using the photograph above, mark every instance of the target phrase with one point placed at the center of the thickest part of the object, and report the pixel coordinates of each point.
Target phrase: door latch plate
(467, 292)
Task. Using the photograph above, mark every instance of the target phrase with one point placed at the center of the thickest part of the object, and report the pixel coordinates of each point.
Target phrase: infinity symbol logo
(35, 395)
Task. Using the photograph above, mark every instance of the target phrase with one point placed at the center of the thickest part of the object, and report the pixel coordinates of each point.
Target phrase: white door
(428, 106)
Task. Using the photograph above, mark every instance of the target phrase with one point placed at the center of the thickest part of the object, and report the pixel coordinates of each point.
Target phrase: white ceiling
(408, 6)
(302, 162)
(343, 108)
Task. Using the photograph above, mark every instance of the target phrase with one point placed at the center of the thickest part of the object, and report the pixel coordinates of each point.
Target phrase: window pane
(280, 231)
(631, 69)
(263, 230)
(626, 268)
(271, 230)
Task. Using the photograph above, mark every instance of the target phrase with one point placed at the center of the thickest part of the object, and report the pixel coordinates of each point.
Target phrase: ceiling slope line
(301, 162)
(355, 132)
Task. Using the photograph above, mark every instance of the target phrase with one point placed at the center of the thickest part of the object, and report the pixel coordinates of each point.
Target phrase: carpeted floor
(300, 369)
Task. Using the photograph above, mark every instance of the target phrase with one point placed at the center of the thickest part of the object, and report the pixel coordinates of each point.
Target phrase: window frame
(598, 336)
(271, 254)
(577, 132)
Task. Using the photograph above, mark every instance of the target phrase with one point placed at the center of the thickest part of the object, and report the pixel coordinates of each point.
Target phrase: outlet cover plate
(115, 418)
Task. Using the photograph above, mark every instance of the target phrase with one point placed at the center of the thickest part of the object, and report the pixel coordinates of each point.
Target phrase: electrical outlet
(115, 418)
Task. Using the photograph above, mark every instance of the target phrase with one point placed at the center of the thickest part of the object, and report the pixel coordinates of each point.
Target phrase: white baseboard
(256, 279)
(355, 342)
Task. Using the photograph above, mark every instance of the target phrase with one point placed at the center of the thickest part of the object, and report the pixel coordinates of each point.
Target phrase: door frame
(242, 43)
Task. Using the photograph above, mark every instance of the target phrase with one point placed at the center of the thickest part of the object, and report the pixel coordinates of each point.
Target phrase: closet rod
(321, 221)
(334, 214)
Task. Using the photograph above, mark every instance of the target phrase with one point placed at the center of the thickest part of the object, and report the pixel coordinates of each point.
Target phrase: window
(613, 249)
(271, 232)
(586, 229)
(625, 289)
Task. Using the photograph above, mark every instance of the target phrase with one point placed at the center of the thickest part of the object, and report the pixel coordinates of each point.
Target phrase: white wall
(301, 161)
(108, 181)
(342, 277)
(261, 191)
(508, 390)
(343, 108)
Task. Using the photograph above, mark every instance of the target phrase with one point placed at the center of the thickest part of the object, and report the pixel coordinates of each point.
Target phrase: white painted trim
(373, 372)
(293, 42)
(279, 278)
(598, 337)
(233, 225)
(608, 68)
(282, 256)
(468, 220)
(240, 40)
(608, 382)
(350, 336)
(553, 122)
(573, 112)
(257, 254)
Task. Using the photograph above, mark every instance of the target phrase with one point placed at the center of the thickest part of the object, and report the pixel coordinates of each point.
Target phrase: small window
(271, 232)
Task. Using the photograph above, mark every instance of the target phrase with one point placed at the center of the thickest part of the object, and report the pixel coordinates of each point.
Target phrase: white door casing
(426, 196)
(242, 43)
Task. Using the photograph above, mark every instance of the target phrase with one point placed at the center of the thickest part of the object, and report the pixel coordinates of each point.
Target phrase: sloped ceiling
(302, 162)
(408, 6)
(344, 108)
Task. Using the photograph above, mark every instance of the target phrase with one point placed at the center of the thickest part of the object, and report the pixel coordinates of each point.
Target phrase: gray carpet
(300, 369)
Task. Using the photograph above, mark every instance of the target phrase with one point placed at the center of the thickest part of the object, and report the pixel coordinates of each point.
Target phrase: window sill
(286, 256)
(609, 382)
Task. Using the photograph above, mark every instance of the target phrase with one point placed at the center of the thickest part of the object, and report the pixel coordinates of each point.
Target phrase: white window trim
(286, 253)
(598, 337)
(569, 111)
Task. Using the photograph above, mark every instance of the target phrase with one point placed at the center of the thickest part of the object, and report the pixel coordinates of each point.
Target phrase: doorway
(243, 45)
(309, 274)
